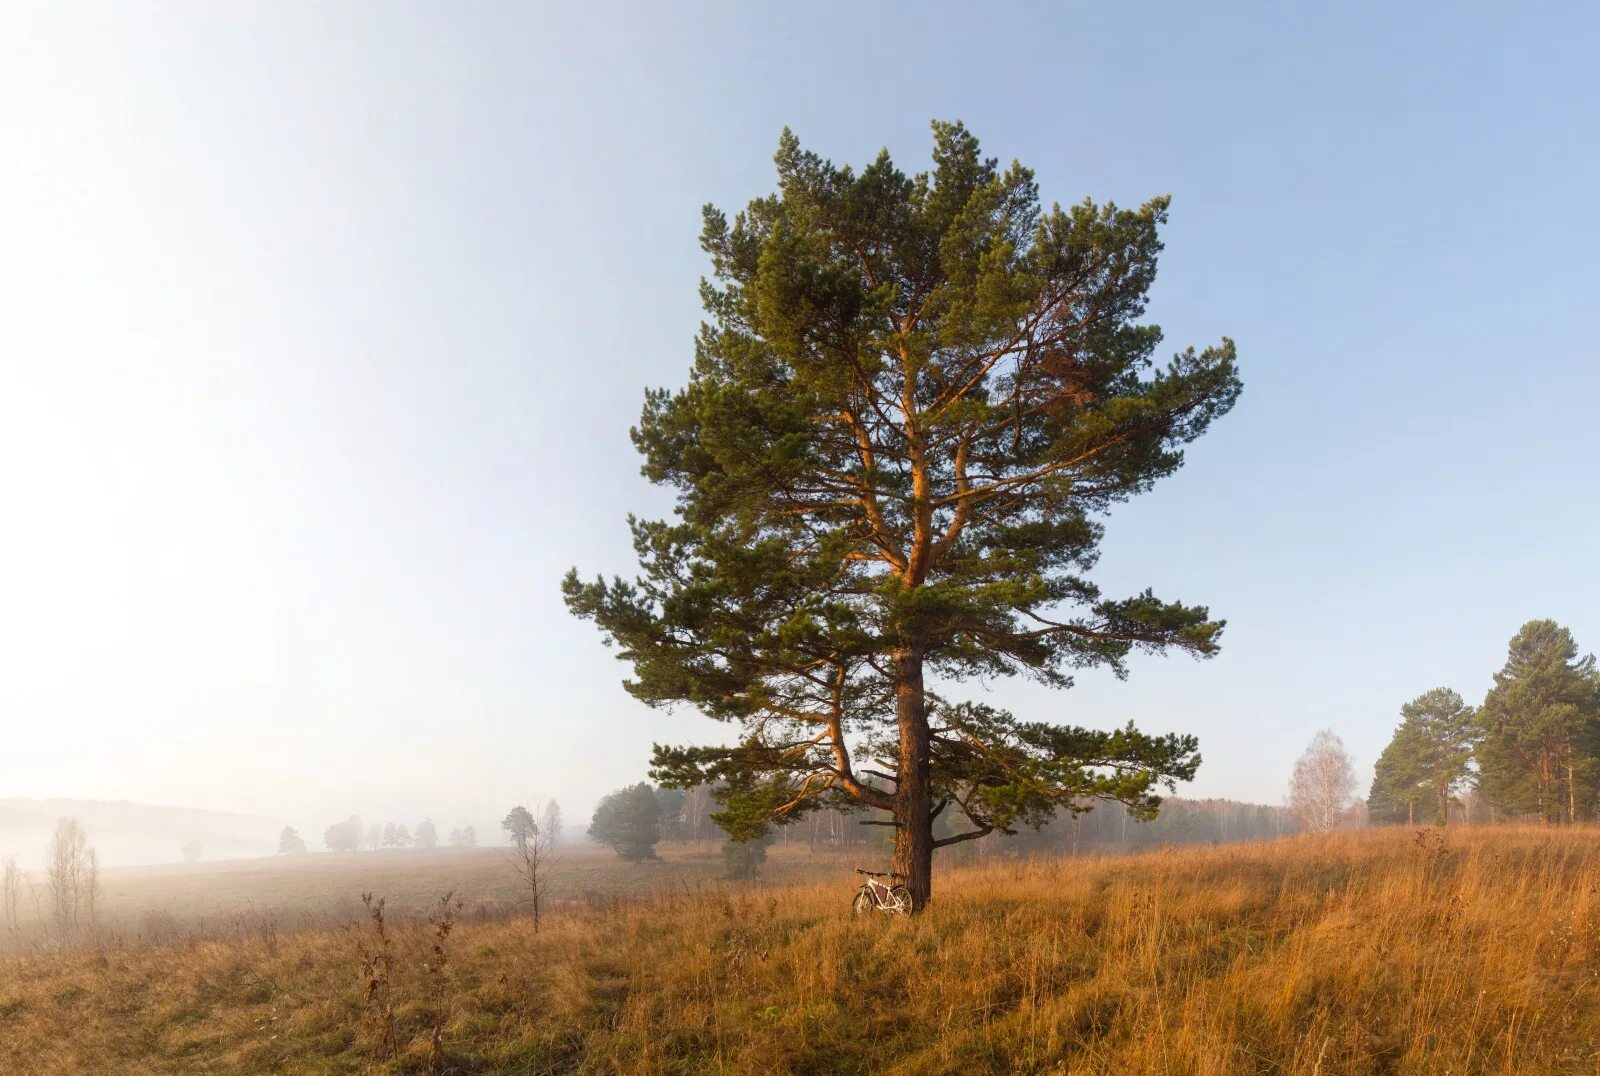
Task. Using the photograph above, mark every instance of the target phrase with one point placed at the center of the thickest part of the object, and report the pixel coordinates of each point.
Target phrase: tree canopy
(1428, 760)
(914, 400)
(629, 822)
(1540, 725)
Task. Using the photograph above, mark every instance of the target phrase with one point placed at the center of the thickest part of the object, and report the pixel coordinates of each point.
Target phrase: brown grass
(1369, 952)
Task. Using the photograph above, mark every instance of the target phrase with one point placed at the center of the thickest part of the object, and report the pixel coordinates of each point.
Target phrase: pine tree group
(1531, 750)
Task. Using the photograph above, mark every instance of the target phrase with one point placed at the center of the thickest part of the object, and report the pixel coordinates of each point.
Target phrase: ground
(1391, 951)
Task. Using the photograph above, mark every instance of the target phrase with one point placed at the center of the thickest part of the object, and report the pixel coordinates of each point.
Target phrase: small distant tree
(1324, 783)
(426, 836)
(742, 860)
(550, 821)
(11, 895)
(465, 837)
(374, 836)
(344, 836)
(72, 873)
(629, 822)
(192, 851)
(519, 825)
(531, 856)
(290, 842)
(396, 836)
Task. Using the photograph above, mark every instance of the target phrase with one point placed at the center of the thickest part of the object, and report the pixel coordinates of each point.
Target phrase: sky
(322, 328)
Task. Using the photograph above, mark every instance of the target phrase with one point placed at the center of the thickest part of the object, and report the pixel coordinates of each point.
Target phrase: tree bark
(913, 801)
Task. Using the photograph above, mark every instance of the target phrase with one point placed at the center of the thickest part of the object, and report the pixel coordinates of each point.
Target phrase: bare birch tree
(72, 873)
(1324, 783)
(11, 895)
(550, 821)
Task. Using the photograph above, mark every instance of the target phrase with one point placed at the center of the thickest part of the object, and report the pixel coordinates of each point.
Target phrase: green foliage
(1540, 726)
(519, 826)
(913, 400)
(628, 821)
(742, 860)
(1427, 761)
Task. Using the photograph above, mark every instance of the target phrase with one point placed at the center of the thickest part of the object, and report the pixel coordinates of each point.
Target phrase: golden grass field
(1388, 951)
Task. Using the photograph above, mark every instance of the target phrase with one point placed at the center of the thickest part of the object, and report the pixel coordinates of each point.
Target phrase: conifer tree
(1540, 726)
(914, 401)
(1428, 760)
(629, 821)
(1397, 785)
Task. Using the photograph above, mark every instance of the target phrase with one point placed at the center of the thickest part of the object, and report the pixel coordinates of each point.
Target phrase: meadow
(1384, 951)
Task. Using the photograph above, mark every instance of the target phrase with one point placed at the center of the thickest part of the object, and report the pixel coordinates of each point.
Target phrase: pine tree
(427, 836)
(519, 825)
(915, 400)
(1540, 726)
(629, 821)
(1397, 785)
(1427, 761)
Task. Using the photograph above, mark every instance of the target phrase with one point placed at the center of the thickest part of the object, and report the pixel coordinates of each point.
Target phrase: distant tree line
(634, 820)
(1530, 750)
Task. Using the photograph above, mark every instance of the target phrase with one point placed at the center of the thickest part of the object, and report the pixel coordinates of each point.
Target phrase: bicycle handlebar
(880, 874)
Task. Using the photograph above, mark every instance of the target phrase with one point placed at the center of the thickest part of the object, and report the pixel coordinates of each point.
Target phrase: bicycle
(891, 899)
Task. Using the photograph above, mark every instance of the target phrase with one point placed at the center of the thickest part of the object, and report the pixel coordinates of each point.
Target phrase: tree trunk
(913, 800)
(1572, 795)
(1444, 806)
(1411, 812)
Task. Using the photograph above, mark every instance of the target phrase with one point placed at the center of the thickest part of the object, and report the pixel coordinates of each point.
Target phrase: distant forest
(1108, 827)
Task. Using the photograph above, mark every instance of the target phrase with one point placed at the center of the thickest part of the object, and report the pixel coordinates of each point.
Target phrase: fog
(324, 328)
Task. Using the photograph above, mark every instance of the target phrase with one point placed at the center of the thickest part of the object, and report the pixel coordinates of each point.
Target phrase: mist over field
(126, 834)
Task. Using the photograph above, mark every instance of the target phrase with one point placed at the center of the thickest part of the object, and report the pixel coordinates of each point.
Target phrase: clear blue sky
(323, 326)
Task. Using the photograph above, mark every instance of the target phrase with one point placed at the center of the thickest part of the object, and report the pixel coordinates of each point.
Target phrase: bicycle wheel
(900, 902)
(863, 902)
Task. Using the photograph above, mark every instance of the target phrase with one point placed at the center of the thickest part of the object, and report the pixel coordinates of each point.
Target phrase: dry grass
(1367, 952)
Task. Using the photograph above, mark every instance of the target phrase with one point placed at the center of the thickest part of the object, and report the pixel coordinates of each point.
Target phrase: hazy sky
(322, 328)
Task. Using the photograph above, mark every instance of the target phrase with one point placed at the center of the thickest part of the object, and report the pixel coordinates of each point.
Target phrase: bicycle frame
(891, 898)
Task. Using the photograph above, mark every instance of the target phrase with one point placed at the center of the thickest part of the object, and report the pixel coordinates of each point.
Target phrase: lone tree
(1541, 726)
(519, 825)
(532, 854)
(290, 842)
(1324, 783)
(914, 400)
(344, 836)
(427, 835)
(550, 821)
(629, 821)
